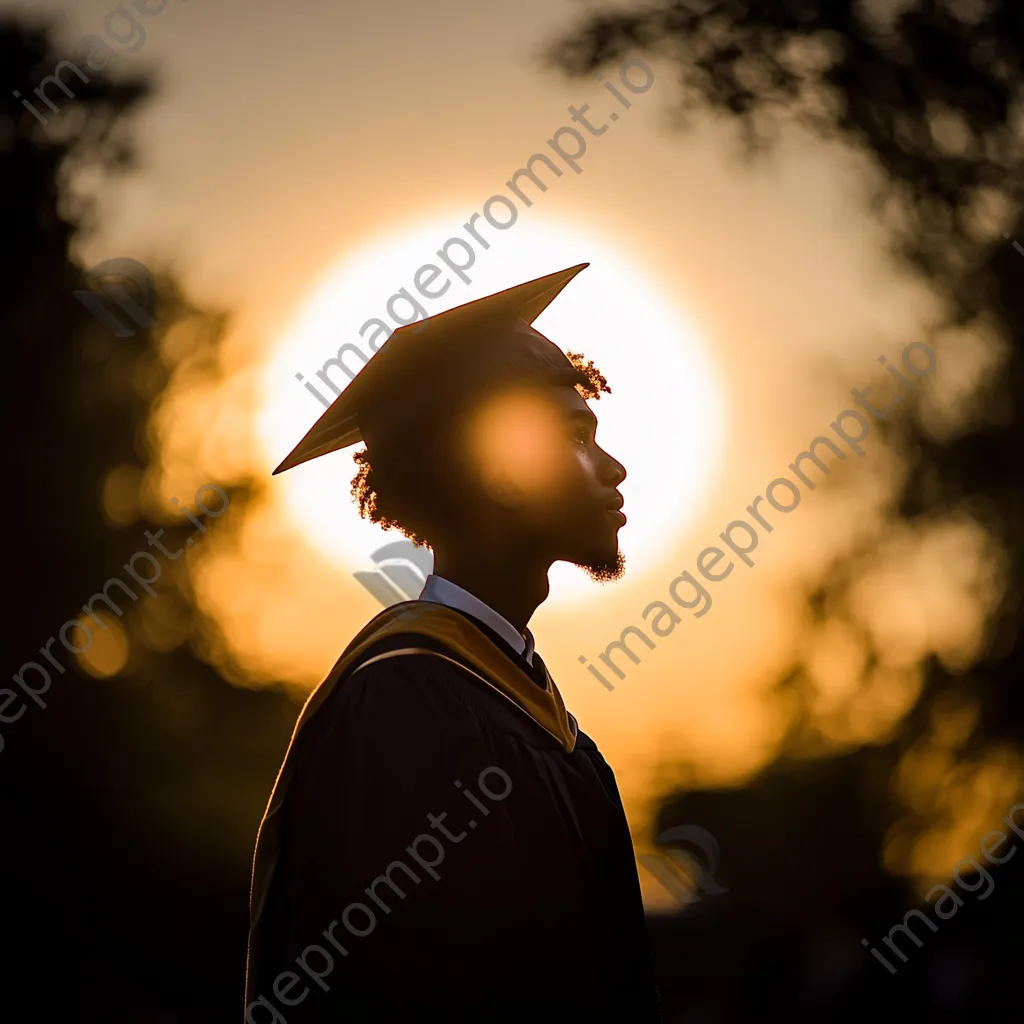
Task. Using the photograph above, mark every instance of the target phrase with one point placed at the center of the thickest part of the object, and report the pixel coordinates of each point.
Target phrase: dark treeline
(129, 805)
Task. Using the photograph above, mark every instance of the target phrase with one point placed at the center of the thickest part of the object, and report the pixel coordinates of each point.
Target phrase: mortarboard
(426, 363)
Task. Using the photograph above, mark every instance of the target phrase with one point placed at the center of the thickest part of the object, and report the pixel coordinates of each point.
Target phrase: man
(443, 843)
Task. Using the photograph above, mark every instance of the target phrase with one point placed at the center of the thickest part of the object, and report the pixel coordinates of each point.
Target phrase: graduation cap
(424, 367)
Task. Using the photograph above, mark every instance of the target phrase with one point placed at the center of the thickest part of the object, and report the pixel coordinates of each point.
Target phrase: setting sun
(664, 419)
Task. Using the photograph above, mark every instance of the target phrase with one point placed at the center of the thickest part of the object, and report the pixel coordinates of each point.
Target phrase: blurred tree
(932, 93)
(130, 803)
(64, 439)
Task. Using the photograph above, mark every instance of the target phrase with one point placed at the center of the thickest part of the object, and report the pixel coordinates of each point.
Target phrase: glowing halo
(664, 419)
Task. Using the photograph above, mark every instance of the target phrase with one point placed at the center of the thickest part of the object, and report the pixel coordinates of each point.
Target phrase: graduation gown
(444, 844)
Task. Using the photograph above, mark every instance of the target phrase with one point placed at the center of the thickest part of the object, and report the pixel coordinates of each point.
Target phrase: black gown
(518, 900)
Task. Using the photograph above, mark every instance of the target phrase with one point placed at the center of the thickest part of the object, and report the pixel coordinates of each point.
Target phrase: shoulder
(410, 682)
(400, 689)
(395, 724)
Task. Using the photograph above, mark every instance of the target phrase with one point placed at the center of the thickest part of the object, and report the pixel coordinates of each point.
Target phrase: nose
(612, 471)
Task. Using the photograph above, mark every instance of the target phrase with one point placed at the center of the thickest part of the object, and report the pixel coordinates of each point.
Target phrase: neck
(514, 587)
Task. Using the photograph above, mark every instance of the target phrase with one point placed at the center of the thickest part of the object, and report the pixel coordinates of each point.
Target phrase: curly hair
(416, 472)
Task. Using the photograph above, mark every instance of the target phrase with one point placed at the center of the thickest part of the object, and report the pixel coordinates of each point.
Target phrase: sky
(299, 150)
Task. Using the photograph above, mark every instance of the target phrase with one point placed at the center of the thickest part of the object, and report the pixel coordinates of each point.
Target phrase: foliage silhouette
(130, 804)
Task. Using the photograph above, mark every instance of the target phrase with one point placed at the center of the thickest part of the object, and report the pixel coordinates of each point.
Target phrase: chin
(604, 568)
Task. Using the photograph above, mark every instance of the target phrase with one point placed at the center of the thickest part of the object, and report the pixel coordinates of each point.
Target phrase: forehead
(570, 402)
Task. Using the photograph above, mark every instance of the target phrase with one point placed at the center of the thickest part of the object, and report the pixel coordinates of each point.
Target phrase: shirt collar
(442, 591)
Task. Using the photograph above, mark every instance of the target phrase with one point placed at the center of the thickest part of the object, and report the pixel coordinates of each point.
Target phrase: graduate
(443, 842)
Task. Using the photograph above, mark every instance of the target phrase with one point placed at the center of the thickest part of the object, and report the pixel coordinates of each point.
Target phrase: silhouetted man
(443, 843)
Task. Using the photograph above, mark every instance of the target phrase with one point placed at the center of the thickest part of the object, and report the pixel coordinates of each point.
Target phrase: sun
(664, 420)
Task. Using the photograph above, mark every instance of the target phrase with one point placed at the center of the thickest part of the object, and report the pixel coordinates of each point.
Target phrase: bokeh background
(804, 188)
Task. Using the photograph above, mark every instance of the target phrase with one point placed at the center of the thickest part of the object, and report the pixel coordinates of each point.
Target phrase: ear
(500, 487)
